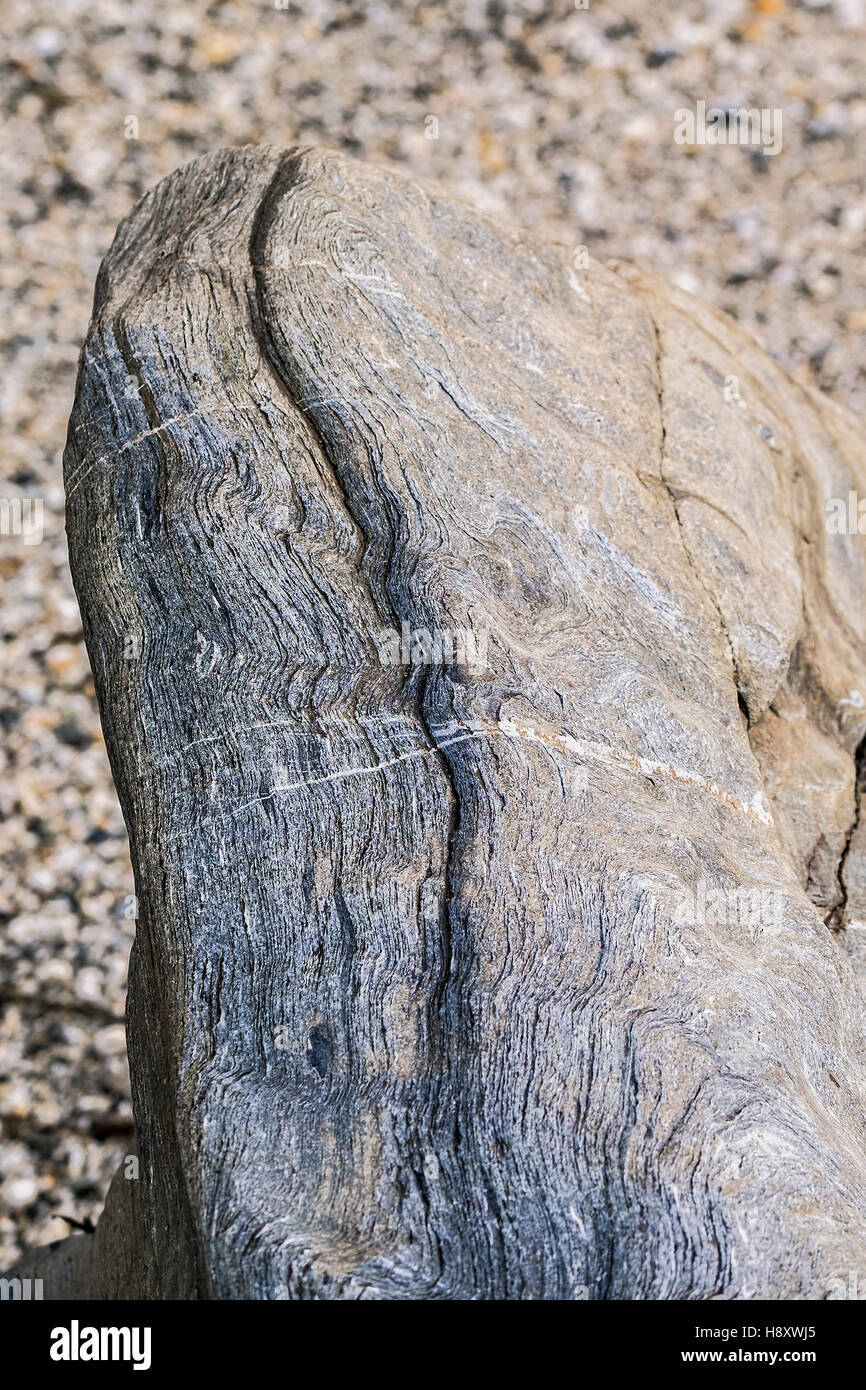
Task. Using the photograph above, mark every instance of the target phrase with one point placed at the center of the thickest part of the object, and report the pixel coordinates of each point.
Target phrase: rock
(483, 690)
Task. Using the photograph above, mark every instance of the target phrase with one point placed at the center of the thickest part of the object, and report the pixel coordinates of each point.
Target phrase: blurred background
(557, 117)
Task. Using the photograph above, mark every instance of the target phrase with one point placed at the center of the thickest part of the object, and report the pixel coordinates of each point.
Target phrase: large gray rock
(503, 977)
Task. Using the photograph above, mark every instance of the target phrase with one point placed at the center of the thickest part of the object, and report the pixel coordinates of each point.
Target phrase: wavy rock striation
(483, 690)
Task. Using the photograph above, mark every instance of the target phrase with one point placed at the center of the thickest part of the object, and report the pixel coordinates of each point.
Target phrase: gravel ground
(556, 117)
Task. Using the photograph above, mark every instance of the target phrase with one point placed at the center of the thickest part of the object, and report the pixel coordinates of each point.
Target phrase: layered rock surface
(513, 976)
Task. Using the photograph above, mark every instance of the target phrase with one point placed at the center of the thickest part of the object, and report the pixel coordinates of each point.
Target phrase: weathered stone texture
(443, 985)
